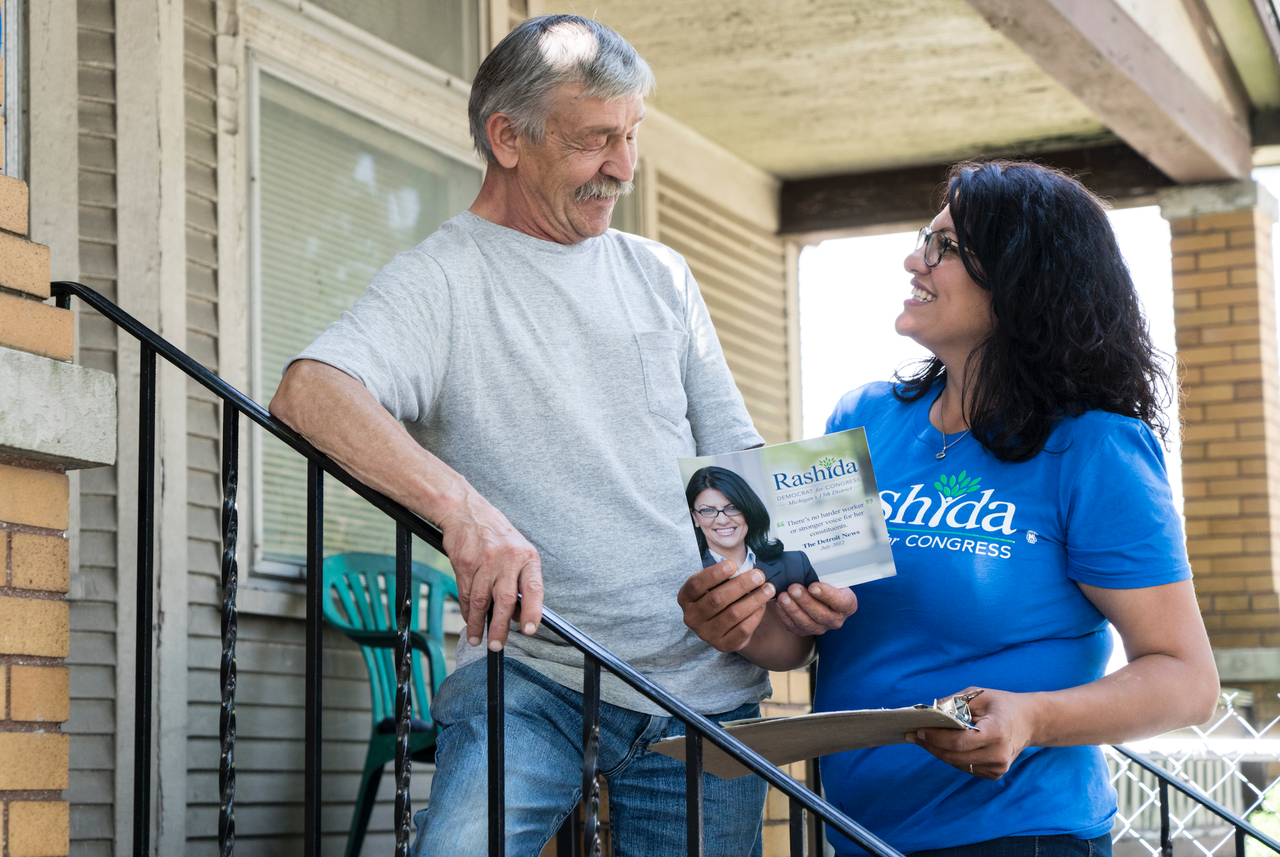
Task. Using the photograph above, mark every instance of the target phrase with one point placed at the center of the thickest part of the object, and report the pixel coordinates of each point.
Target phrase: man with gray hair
(525, 379)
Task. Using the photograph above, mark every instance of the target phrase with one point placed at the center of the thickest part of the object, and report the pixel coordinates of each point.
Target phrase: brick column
(34, 618)
(1225, 313)
(790, 697)
(1224, 300)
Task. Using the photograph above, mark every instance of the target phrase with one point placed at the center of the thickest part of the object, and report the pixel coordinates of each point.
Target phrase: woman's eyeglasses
(934, 244)
(712, 511)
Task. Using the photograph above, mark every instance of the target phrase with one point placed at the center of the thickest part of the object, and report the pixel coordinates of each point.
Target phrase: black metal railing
(1168, 781)
(595, 657)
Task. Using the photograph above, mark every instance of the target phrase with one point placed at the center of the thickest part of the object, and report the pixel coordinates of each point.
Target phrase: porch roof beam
(1265, 14)
(1103, 57)
(893, 200)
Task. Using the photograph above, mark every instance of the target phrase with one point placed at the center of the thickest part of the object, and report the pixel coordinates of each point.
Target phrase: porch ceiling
(817, 87)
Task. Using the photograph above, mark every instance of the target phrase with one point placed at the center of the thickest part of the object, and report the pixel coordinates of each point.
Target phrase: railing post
(798, 844)
(230, 580)
(1166, 845)
(145, 581)
(1239, 841)
(1168, 781)
(814, 775)
(567, 836)
(697, 726)
(590, 756)
(693, 791)
(314, 658)
(404, 580)
(497, 762)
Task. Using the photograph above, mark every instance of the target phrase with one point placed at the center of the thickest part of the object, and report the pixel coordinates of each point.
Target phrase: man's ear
(502, 139)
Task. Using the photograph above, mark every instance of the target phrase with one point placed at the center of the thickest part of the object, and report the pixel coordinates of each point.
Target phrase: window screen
(338, 196)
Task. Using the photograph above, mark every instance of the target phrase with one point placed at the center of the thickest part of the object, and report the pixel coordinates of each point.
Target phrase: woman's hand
(1004, 724)
(724, 610)
(815, 610)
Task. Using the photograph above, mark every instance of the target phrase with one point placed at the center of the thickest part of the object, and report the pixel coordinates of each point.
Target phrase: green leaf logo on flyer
(826, 462)
(957, 486)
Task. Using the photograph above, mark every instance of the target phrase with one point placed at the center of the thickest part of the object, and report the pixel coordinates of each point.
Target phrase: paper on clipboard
(783, 740)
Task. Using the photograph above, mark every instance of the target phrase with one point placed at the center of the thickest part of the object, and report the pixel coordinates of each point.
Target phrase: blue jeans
(544, 775)
(1028, 846)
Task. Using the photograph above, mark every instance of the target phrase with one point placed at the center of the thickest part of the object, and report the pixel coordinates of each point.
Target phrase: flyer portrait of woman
(730, 522)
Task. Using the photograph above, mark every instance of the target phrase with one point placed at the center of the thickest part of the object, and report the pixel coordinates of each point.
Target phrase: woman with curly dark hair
(1024, 485)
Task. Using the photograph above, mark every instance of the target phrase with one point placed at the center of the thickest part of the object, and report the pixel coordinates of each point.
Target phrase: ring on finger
(971, 768)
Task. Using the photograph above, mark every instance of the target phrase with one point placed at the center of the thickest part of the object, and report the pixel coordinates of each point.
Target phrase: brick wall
(1226, 333)
(34, 623)
(791, 696)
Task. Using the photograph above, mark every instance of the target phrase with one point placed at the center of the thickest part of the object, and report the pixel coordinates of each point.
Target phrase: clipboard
(783, 740)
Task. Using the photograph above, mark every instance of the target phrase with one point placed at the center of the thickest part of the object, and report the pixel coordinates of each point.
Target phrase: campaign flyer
(816, 496)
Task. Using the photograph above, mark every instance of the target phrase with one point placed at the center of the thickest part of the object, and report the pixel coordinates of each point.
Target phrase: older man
(548, 373)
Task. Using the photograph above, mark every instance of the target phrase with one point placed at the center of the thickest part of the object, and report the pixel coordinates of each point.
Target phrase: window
(12, 134)
(336, 196)
(445, 33)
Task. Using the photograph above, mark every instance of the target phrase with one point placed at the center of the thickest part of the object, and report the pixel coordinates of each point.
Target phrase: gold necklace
(942, 420)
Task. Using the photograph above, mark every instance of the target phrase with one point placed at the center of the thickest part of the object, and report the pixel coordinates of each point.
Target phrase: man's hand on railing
(493, 563)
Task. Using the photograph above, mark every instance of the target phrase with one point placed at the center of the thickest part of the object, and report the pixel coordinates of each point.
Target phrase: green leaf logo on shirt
(956, 486)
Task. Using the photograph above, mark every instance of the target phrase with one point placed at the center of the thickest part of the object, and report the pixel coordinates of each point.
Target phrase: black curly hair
(1069, 333)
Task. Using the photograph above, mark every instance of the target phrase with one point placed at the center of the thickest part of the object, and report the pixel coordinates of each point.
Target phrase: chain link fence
(1231, 759)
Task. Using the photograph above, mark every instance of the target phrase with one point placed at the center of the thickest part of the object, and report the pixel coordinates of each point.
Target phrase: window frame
(270, 574)
(480, 13)
(11, 47)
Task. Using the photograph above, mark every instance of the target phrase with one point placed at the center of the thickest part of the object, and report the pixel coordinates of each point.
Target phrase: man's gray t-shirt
(563, 382)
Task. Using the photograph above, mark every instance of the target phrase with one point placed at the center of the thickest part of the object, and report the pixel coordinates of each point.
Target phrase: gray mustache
(604, 188)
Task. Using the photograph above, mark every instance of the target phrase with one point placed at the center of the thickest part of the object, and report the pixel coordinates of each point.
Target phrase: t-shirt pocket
(660, 352)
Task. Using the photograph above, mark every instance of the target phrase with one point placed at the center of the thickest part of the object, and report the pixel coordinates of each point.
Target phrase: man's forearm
(341, 418)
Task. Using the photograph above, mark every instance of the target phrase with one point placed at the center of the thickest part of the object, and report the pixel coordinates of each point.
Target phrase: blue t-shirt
(988, 555)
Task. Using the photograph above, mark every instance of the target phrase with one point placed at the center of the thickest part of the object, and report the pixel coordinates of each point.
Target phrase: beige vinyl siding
(517, 12)
(741, 271)
(204, 420)
(269, 744)
(93, 586)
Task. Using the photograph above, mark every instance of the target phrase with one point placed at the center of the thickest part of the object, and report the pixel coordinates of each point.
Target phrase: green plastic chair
(359, 591)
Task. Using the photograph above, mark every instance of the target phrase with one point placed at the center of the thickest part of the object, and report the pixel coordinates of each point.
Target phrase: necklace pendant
(941, 455)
